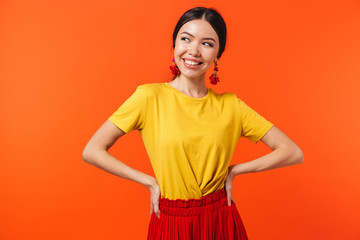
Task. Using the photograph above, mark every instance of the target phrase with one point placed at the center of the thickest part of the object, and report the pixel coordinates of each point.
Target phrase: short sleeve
(253, 125)
(131, 114)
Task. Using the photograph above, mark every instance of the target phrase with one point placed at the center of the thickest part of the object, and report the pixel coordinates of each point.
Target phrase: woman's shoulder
(150, 86)
(229, 96)
(152, 89)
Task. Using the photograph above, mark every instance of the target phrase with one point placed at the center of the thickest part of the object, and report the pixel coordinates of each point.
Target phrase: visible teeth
(191, 63)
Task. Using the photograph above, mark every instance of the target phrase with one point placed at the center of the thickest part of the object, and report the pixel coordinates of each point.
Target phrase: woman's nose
(194, 49)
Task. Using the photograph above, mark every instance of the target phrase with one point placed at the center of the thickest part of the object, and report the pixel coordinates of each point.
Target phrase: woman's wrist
(151, 183)
(231, 171)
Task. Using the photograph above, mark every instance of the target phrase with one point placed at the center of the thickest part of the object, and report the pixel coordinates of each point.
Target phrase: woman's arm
(96, 153)
(285, 153)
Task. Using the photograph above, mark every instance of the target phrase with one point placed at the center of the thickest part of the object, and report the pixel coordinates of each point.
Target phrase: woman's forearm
(105, 161)
(278, 158)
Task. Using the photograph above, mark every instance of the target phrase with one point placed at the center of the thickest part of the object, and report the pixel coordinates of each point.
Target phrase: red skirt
(207, 218)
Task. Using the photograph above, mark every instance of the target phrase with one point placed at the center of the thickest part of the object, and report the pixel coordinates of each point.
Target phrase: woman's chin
(192, 76)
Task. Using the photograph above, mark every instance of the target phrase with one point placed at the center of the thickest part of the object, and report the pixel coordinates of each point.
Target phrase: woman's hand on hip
(229, 186)
(154, 198)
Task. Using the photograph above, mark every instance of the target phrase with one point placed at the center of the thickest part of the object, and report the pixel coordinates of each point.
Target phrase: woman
(190, 133)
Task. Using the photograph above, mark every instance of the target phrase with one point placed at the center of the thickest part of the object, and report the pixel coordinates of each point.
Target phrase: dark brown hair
(211, 16)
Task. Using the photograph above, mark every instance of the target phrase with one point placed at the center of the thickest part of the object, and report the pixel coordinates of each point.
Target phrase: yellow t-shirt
(190, 141)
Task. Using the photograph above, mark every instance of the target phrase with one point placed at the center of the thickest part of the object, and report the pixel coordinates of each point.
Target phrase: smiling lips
(190, 63)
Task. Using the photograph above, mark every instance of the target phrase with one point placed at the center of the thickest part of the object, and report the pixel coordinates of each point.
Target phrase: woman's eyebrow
(208, 38)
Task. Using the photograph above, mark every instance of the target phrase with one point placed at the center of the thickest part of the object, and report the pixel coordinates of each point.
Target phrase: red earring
(174, 69)
(214, 79)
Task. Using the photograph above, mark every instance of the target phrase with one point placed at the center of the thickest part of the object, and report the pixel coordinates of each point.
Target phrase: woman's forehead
(198, 27)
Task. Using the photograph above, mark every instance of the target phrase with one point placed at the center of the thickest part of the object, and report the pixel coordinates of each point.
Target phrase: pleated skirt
(207, 218)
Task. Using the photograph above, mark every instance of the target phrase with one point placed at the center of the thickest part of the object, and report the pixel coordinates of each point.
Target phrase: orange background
(66, 66)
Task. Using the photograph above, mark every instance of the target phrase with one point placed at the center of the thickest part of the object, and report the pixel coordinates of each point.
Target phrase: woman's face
(196, 48)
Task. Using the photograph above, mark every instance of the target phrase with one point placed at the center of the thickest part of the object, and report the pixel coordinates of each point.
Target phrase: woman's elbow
(87, 154)
(298, 156)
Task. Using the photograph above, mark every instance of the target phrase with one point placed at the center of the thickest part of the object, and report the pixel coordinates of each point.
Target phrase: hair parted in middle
(212, 17)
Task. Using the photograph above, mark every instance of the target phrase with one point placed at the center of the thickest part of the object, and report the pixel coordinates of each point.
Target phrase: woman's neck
(193, 88)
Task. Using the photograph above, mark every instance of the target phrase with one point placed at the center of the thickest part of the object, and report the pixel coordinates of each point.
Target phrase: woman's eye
(187, 39)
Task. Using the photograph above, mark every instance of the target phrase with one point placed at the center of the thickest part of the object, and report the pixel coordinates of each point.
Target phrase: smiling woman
(196, 48)
(190, 133)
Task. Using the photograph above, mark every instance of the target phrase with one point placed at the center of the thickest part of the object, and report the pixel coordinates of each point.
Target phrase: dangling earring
(214, 79)
(174, 69)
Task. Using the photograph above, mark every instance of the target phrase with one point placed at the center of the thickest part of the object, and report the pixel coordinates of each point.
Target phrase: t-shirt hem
(266, 129)
(119, 125)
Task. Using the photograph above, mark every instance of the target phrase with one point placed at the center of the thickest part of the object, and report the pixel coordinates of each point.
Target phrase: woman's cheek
(181, 48)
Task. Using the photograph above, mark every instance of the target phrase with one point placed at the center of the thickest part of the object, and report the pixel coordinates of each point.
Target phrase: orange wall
(66, 66)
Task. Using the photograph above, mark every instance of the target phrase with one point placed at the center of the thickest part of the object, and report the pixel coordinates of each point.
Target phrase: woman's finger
(229, 198)
(232, 199)
(154, 199)
(157, 209)
(151, 209)
(229, 186)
